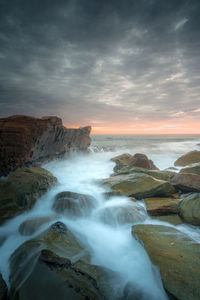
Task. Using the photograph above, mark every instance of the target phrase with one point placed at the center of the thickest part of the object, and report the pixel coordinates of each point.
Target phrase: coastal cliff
(29, 141)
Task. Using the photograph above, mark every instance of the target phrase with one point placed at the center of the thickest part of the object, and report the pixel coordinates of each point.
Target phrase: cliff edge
(29, 141)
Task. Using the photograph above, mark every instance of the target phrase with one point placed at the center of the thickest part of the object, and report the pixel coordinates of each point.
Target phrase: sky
(121, 66)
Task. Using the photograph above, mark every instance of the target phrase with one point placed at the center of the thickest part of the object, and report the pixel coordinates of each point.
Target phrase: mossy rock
(190, 209)
(20, 191)
(188, 158)
(176, 255)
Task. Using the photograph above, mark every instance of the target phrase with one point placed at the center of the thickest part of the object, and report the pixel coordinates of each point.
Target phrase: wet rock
(21, 189)
(162, 206)
(30, 226)
(188, 158)
(186, 182)
(158, 174)
(73, 204)
(121, 214)
(194, 169)
(190, 209)
(176, 255)
(122, 160)
(172, 219)
(139, 185)
(142, 161)
(3, 289)
(29, 141)
(55, 266)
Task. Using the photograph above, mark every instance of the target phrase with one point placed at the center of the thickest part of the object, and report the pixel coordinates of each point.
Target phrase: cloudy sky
(129, 66)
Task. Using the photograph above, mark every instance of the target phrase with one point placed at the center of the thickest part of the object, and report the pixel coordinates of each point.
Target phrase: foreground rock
(30, 226)
(73, 204)
(188, 158)
(31, 141)
(54, 266)
(176, 255)
(186, 182)
(190, 209)
(3, 289)
(194, 169)
(140, 186)
(162, 206)
(20, 191)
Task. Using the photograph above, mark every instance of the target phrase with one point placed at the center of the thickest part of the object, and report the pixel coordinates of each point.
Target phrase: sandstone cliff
(31, 141)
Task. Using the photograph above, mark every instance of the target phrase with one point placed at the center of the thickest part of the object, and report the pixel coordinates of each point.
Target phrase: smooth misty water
(111, 245)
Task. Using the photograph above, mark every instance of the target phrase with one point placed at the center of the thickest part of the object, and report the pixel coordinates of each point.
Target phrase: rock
(190, 209)
(176, 255)
(53, 266)
(21, 189)
(30, 226)
(162, 175)
(188, 158)
(3, 289)
(73, 204)
(186, 182)
(172, 219)
(142, 161)
(122, 160)
(121, 214)
(194, 169)
(139, 185)
(29, 141)
(162, 206)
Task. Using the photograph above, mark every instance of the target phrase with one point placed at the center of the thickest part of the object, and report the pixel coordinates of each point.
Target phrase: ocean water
(109, 243)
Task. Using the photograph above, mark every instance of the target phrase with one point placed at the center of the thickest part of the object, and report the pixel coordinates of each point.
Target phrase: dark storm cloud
(93, 61)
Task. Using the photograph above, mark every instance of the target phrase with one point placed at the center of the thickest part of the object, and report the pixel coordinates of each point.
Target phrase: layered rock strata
(29, 141)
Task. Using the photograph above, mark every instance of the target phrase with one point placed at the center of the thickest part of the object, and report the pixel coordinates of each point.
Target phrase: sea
(110, 244)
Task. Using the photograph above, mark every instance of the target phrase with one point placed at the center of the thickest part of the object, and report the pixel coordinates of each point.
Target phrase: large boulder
(186, 182)
(139, 185)
(21, 189)
(194, 169)
(73, 204)
(30, 226)
(55, 266)
(142, 161)
(190, 209)
(3, 289)
(173, 219)
(162, 206)
(188, 158)
(31, 141)
(137, 160)
(176, 255)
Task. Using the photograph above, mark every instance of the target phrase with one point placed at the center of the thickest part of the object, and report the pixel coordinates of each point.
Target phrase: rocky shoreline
(54, 264)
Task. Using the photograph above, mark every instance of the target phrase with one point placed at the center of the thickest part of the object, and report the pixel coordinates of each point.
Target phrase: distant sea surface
(162, 149)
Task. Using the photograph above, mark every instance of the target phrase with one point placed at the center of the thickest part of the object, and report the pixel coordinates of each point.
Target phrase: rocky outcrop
(186, 182)
(193, 169)
(29, 141)
(3, 289)
(162, 206)
(139, 185)
(190, 209)
(73, 204)
(21, 189)
(55, 265)
(188, 158)
(176, 255)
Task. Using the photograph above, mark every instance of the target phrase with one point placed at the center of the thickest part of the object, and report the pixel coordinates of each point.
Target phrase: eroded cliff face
(29, 141)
